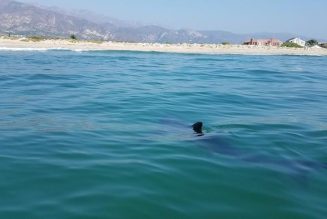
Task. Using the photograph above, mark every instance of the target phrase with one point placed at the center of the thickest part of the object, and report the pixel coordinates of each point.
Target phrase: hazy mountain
(92, 17)
(27, 19)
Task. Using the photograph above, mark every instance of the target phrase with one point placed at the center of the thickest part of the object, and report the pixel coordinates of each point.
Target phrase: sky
(302, 17)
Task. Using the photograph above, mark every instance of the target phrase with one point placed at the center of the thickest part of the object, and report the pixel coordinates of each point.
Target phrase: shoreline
(24, 44)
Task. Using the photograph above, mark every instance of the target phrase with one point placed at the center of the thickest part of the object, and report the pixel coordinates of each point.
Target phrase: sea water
(108, 135)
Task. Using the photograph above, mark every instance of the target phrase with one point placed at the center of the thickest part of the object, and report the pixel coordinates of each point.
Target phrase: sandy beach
(27, 44)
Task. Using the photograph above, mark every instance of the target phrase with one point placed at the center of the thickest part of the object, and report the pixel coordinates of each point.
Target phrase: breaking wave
(41, 49)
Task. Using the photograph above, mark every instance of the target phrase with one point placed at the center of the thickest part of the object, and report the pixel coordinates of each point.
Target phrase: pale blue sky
(303, 17)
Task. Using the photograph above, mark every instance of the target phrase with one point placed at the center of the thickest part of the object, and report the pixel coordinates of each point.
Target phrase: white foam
(80, 50)
(40, 49)
(22, 49)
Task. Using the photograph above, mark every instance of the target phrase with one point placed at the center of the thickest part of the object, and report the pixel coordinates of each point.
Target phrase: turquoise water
(107, 135)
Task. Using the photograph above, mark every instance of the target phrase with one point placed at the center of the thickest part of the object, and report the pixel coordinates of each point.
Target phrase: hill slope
(26, 19)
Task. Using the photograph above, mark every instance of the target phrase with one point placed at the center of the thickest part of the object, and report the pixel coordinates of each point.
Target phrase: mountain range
(33, 20)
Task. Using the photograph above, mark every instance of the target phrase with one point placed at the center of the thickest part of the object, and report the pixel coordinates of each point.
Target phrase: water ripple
(108, 135)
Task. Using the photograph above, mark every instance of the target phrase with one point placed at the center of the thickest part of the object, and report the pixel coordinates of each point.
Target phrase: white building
(297, 41)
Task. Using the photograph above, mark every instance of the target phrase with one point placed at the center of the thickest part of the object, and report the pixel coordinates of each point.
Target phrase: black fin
(197, 127)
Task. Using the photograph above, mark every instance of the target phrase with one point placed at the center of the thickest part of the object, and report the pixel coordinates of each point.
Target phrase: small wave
(22, 49)
(41, 49)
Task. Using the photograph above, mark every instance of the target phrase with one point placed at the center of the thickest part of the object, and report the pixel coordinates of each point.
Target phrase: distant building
(264, 42)
(297, 41)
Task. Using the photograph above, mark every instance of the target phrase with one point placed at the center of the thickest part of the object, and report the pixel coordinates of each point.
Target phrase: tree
(73, 37)
(323, 45)
(311, 42)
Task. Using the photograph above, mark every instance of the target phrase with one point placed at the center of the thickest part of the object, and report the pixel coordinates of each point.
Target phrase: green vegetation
(73, 37)
(323, 45)
(35, 38)
(12, 37)
(291, 45)
(226, 43)
(39, 38)
(312, 42)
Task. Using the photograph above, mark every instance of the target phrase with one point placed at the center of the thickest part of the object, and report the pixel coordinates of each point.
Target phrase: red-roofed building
(264, 42)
